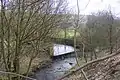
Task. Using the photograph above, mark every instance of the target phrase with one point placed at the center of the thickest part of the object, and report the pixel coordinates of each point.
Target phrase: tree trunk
(84, 55)
(110, 39)
(65, 31)
(95, 55)
(30, 62)
(75, 47)
(91, 56)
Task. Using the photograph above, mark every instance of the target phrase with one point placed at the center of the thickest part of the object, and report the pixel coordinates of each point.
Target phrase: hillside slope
(105, 68)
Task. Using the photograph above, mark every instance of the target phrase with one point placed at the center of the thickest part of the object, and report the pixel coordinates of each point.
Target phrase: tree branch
(91, 62)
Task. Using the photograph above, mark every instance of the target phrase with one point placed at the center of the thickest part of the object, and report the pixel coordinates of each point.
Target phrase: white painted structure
(60, 49)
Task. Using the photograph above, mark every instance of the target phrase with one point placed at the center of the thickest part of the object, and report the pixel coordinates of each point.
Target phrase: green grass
(69, 33)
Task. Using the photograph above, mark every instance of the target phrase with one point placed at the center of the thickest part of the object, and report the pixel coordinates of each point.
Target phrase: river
(58, 67)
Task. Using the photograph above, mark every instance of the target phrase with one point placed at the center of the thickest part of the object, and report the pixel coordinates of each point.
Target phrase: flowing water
(58, 67)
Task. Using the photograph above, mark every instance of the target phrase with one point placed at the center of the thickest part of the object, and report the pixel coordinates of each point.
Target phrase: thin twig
(84, 74)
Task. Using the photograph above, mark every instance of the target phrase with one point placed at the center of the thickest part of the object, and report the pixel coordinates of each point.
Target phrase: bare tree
(75, 31)
(25, 26)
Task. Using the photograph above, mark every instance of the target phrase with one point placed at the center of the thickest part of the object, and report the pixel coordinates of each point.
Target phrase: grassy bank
(69, 33)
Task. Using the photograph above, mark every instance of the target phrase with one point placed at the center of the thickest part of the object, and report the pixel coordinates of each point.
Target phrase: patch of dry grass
(24, 63)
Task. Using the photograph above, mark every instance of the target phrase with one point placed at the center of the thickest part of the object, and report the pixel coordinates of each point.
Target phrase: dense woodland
(29, 28)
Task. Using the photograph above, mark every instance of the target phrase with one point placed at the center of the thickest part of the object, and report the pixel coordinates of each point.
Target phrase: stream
(58, 67)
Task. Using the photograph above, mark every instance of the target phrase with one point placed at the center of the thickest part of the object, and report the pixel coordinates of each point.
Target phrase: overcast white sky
(95, 5)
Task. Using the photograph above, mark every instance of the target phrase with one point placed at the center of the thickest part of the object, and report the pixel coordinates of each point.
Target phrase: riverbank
(36, 63)
(77, 74)
(104, 68)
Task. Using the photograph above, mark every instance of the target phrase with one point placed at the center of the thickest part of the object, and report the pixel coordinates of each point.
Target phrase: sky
(95, 5)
